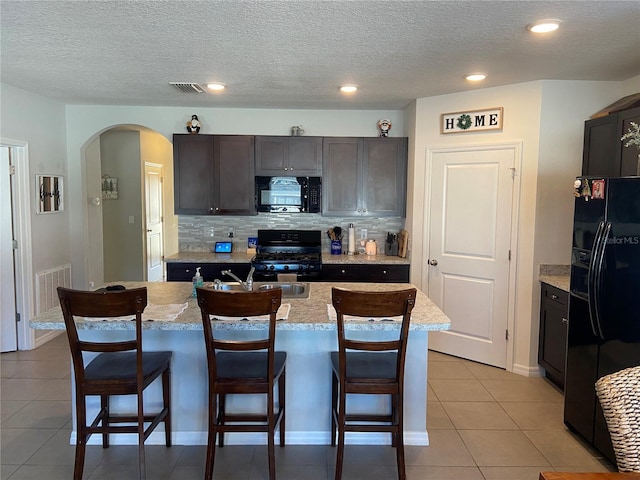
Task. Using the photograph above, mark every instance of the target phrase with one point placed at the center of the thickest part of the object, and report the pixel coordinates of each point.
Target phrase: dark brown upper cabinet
(364, 176)
(604, 153)
(214, 174)
(289, 156)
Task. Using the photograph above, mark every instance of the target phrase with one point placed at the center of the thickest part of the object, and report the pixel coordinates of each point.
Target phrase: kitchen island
(307, 335)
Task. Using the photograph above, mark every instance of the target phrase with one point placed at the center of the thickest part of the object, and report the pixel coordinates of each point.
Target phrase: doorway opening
(118, 221)
(15, 253)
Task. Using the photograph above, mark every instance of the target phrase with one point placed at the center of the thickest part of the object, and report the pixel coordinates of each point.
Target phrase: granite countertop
(305, 314)
(555, 275)
(209, 257)
(243, 257)
(380, 259)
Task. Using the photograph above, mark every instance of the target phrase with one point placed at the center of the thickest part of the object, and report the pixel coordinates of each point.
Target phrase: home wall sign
(472, 121)
(49, 189)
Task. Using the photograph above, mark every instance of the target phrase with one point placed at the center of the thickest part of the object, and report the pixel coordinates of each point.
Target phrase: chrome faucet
(246, 285)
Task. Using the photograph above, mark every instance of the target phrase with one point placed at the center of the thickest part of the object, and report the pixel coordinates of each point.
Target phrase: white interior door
(9, 335)
(153, 196)
(470, 204)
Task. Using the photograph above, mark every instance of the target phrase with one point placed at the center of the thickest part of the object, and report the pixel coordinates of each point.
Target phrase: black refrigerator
(604, 301)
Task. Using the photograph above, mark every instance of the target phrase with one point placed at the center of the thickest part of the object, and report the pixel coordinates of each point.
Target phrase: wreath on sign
(464, 121)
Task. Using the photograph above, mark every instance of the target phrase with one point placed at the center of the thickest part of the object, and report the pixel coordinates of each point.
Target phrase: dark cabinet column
(365, 176)
(604, 152)
(213, 174)
(193, 174)
(234, 184)
(385, 177)
(341, 183)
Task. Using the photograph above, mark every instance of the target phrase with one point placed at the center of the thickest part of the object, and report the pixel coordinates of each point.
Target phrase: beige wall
(155, 148)
(122, 238)
(548, 118)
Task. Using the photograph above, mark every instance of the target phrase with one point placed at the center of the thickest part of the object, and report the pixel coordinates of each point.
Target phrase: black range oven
(296, 252)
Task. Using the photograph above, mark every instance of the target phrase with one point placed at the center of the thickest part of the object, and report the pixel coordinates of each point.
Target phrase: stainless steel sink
(289, 289)
(226, 286)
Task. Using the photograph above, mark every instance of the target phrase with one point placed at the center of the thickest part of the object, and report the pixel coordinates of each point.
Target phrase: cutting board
(403, 242)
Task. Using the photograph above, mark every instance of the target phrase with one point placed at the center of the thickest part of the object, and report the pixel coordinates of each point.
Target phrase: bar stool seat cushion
(377, 366)
(122, 365)
(248, 364)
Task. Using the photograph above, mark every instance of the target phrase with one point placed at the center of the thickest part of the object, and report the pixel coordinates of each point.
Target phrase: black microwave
(289, 194)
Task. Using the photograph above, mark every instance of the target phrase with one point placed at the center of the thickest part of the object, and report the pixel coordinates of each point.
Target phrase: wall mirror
(50, 191)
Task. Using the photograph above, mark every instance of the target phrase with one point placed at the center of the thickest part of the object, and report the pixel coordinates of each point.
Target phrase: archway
(116, 220)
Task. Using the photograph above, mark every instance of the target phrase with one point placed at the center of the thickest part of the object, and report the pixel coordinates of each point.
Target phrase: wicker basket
(619, 395)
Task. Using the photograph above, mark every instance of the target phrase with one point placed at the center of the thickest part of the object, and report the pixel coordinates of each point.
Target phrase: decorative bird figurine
(193, 125)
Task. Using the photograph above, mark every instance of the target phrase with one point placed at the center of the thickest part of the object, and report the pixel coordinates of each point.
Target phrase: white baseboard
(47, 337)
(527, 371)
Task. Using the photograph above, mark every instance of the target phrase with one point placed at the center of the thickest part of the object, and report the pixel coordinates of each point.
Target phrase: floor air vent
(188, 87)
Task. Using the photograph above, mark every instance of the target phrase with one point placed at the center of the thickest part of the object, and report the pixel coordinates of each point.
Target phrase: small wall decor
(193, 125)
(49, 189)
(384, 126)
(109, 188)
(472, 121)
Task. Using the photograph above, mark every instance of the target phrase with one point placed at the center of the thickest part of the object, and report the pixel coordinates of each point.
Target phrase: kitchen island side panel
(308, 390)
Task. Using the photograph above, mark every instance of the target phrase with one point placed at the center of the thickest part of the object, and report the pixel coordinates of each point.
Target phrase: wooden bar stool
(370, 367)
(120, 368)
(243, 367)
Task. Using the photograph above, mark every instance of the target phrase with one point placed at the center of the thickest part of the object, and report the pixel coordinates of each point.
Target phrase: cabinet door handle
(384, 272)
(342, 271)
(286, 168)
(565, 321)
(554, 297)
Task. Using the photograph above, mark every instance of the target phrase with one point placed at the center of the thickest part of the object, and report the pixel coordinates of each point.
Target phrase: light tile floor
(483, 423)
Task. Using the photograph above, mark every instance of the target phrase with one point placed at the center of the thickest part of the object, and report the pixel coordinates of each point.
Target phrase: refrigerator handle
(597, 278)
(591, 294)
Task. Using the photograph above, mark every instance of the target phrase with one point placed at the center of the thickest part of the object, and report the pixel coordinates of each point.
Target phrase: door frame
(22, 229)
(516, 146)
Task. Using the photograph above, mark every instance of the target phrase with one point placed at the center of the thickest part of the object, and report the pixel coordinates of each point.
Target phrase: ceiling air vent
(188, 87)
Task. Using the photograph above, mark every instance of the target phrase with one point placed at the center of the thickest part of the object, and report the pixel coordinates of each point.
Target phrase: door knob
(433, 262)
(149, 231)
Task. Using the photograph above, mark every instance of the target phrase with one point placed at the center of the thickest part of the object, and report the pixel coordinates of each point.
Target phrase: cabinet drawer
(184, 271)
(555, 296)
(366, 273)
(181, 272)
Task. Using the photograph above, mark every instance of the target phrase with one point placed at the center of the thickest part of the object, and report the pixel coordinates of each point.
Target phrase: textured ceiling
(294, 54)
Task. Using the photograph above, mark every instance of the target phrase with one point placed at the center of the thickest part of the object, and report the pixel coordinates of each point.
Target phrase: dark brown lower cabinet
(365, 273)
(184, 272)
(552, 344)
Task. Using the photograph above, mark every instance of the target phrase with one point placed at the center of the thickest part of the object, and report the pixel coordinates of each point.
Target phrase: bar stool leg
(282, 400)
(166, 400)
(211, 440)
(334, 407)
(104, 405)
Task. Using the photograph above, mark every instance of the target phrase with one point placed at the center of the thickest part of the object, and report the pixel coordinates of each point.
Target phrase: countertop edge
(558, 281)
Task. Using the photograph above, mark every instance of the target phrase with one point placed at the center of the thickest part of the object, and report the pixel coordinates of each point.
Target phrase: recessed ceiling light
(348, 88)
(544, 26)
(215, 86)
(476, 77)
